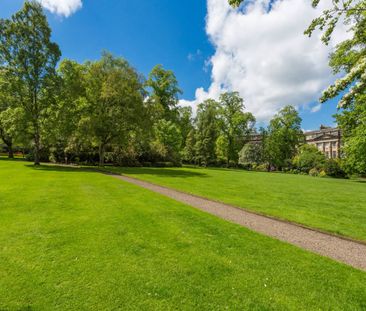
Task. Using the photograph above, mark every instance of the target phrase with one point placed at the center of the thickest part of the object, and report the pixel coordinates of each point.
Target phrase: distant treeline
(105, 112)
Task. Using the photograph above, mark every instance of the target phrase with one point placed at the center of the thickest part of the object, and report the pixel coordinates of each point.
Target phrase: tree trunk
(10, 151)
(37, 148)
(8, 141)
(101, 154)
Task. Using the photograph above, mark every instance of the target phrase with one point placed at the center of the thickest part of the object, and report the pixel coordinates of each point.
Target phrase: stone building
(327, 140)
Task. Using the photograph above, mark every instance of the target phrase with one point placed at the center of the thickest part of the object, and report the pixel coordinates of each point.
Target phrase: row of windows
(327, 145)
(334, 154)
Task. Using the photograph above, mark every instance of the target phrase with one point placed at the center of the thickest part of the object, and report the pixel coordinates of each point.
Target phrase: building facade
(328, 140)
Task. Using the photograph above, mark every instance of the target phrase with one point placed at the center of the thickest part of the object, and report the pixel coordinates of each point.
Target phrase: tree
(189, 151)
(352, 121)
(184, 122)
(308, 157)
(28, 59)
(66, 113)
(235, 3)
(283, 138)
(114, 102)
(251, 154)
(236, 125)
(164, 93)
(348, 59)
(167, 141)
(207, 132)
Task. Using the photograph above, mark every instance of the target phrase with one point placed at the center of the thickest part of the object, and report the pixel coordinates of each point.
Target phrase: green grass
(73, 239)
(333, 205)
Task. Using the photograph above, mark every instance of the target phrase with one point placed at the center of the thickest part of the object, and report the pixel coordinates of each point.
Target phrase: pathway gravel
(347, 251)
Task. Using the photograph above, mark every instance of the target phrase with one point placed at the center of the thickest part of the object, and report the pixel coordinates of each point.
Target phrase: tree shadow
(164, 172)
(62, 168)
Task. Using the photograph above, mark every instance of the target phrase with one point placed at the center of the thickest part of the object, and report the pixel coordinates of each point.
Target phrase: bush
(146, 164)
(308, 157)
(322, 174)
(261, 168)
(333, 169)
(314, 172)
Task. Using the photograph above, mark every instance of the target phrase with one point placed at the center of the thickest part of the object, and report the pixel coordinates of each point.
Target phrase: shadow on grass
(164, 172)
(16, 159)
(62, 168)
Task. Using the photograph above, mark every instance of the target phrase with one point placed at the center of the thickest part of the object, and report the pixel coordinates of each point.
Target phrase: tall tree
(207, 132)
(184, 122)
(28, 59)
(348, 60)
(283, 137)
(236, 124)
(164, 92)
(66, 114)
(114, 102)
(168, 141)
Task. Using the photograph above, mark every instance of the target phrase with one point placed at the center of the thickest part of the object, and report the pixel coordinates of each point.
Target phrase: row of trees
(105, 110)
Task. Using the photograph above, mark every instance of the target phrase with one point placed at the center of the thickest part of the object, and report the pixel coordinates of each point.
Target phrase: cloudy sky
(258, 50)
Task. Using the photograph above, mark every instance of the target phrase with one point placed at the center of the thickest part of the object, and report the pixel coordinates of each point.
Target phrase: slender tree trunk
(37, 148)
(101, 154)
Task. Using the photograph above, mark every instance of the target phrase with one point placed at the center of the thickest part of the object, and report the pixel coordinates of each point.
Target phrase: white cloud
(316, 108)
(265, 56)
(62, 7)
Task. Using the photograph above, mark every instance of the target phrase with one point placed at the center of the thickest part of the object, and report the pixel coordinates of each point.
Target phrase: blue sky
(150, 32)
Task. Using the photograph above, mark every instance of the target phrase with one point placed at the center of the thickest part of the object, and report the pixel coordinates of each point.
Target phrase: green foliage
(236, 125)
(114, 102)
(235, 3)
(207, 132)
(349, 59)
(189, 152)
(28, 60)
(333, 168)
(307, 158)
(164, 93)
(352, 121)
(314, 172)
(283, 137)
(250, 155)
(167, 142)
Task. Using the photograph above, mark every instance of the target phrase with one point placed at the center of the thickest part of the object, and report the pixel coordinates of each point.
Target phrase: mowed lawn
(334, 205)
(72, 239)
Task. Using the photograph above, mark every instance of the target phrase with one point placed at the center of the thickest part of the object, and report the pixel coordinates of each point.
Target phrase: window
(334, 154)
(327, 154)
(334, 144)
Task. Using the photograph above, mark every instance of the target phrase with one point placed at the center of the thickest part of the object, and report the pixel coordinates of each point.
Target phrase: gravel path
(339, 249)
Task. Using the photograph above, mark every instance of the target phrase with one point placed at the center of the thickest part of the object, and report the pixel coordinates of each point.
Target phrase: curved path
(337, 248)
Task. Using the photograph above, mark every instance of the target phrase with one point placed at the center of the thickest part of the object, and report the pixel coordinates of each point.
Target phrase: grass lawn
(72, 239)
(333, 205)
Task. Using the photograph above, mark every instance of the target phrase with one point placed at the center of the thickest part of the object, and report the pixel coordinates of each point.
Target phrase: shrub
(308, 157)
(322, 174)
(261, 168)
(314, 172)
(333, 169)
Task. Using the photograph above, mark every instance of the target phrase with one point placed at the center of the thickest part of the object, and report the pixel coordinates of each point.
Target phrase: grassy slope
(333, 205)
(77, 240)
